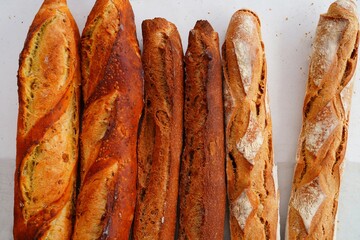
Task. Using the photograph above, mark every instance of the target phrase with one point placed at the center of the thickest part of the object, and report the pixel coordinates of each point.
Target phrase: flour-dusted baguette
(160, 139)
(48, 126)
(113, 98)
(322, 143)
(250, 168)
(202, 176)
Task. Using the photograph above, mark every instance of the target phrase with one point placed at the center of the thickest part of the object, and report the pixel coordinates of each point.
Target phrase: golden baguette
(113, 98)
(47, 138)
(251, 171)
(322, 143)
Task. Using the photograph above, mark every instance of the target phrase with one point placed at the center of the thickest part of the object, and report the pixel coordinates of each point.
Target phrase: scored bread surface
(315, 189)
(112, 93)
(48, 126)
(251, 172)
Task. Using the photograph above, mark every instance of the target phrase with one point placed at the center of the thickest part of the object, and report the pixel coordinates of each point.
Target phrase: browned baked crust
(160, 139)
(322, 143)
(202, 183)
(47, 137)
(113, 98)
(250, 168)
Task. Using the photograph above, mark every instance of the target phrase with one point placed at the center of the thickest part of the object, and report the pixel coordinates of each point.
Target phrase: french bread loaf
(322, 143)
(48, 126)
(250, 168)
(202, 184)
(160, 139)
(113, 100)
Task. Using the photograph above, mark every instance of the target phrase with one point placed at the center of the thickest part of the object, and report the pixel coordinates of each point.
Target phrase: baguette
(160, 139)
(48, 126)
(322, 143)
(202, 183)
(112, 93)
(250, 168)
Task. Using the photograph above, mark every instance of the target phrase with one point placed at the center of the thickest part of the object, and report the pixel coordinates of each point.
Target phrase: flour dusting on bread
(345, 96)
(325, 48)
(347, 4)
(244, 50)
(251, 142)
(307, 201)
(241, 209)
(319, 130)
(244, 61)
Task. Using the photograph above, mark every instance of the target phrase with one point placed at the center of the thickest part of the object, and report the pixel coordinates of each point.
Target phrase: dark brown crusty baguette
(250, 168)
(160, 139)
(202, 175)
(113, 98)
(48, 126)
(322, 143)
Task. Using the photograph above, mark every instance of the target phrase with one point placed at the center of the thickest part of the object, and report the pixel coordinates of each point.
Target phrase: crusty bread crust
(48, 126)
(160, 139)
(202, 185)
(322, 143)
(250, 168)
(113, 98)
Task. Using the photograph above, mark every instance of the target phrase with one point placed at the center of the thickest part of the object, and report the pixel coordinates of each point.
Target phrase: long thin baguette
(160, 139)
(322, 143)
(202, 184)
(113, 98)
(48, 126)
(251, 186)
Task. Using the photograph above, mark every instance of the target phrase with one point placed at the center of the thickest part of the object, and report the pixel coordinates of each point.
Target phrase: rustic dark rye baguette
(48, 126)
(251, 171)
(160, 139)
(113, 98)
(322, 143)
(202, 185)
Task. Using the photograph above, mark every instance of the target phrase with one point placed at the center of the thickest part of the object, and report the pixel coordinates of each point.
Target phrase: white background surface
(288, 29)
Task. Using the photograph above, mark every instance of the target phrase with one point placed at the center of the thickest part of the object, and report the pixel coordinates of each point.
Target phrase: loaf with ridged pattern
(48, 126)
(251, 171)
(112, 84)
(315, 189)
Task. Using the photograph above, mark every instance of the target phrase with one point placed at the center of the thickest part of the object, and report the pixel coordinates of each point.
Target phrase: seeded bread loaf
(202, 185)
(322, 143)
(250, 168)
(113, 100)
(48, 126)
(160, 139)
